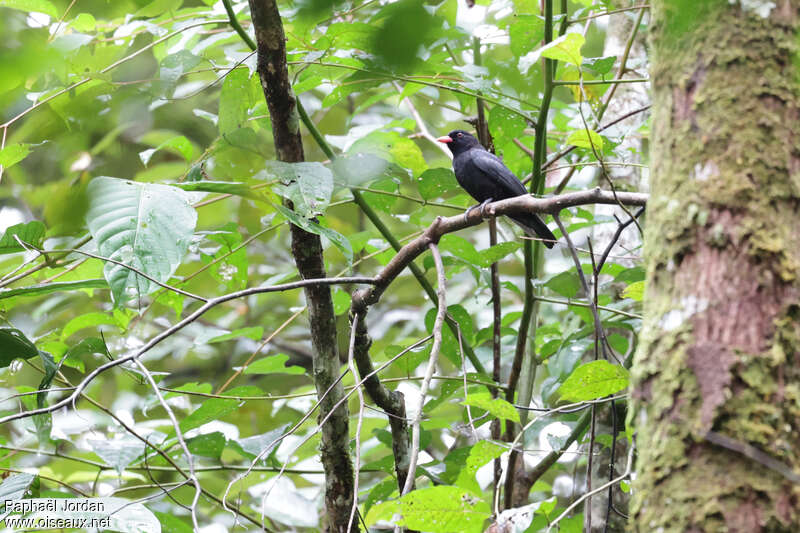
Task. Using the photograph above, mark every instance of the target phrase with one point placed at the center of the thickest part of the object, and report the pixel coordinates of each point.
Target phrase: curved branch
(521, 204)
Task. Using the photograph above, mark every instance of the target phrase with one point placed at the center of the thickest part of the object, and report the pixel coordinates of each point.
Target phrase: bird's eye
(460, 134)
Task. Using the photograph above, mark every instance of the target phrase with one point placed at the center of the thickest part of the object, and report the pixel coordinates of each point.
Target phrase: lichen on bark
(721, 338)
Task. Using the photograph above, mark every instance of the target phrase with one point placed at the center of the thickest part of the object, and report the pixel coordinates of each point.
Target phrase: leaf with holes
(441, 509)
(594, 380)
(143, 225)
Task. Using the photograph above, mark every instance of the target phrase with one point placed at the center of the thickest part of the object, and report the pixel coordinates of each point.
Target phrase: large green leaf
(143, 225)
(442, 509)
(308, 185)
(594, 380)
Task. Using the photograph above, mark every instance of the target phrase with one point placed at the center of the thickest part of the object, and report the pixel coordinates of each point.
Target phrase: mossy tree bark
(717, 376)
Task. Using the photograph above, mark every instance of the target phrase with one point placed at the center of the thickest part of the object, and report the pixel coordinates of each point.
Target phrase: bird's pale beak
(445, 139)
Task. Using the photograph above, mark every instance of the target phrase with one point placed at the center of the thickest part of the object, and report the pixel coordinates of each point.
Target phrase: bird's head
(459, 141)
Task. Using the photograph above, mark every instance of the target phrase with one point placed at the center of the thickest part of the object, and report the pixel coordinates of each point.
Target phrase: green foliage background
(164, 93)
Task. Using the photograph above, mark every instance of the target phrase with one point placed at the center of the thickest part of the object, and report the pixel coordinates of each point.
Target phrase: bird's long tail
(535, 227)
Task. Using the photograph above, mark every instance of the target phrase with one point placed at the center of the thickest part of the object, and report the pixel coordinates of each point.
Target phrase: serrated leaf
(498, 407)
(594, 380)
(146, 226)
(31, 233)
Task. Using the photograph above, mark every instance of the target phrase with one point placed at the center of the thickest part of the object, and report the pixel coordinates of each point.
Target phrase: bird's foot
(483, 206)
(467, 212)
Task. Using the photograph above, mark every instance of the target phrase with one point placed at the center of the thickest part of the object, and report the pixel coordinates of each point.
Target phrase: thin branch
(441, 292)
(595, 491)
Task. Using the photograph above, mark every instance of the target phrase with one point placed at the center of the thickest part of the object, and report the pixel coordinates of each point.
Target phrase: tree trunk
(716, 394)
(307, 252)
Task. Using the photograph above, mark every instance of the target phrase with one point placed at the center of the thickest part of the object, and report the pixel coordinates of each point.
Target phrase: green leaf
(566, 48)
(526, 32)
(157, 7)
(481, 453)
(566, 284)
(208, 444)
(600, 65)
(461, 248)
(118, 453)
(584, 138)
(172, 524)
(31, 233)
(253, 332)
(216, 408)
(505, 125)
(36, 6)
(229, 264)
(15, 487)
(336, 238)
(436, 182)
(13, 153)
(88, 320)
(341, 301)
(594, 380)
(394, 147)
(221, 187)
(274, 364)
(359, 168)
(497, 252)
(441, 509)
(13, 344)
(308, 185)
(179, 144)
(634, 291)
(144, 225)
(59, 286)
(83, 22)
(498, 407)
(234, 100)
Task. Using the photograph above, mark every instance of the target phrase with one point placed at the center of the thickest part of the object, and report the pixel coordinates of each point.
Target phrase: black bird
(487, 179)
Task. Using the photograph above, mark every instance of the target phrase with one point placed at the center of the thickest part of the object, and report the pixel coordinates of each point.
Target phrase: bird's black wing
(504, 180)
